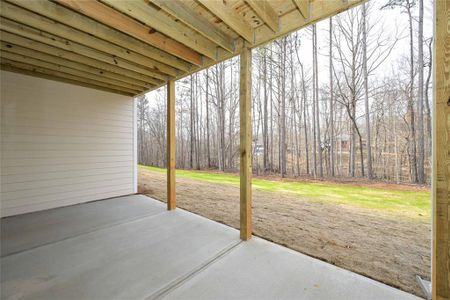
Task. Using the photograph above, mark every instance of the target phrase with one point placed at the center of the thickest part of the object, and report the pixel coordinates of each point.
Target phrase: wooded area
(370, 116)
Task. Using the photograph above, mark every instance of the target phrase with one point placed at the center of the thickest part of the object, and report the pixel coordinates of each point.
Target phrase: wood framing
(303, 7)
(263, 9)
(47, 25)
(156, 19)
(35, 40)
(245, 148)
(441, 153)
(230, 17)
(179, 10)
(31, 61)
(171, 158)
(289, 22)
(56, 76)
(146, 43)
(83, 30)
(112, 77)
(111, 17)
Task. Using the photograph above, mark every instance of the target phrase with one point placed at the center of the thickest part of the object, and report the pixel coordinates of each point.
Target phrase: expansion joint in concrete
(159, 294)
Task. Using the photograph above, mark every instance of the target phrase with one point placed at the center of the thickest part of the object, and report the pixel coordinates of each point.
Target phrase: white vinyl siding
(63, 144)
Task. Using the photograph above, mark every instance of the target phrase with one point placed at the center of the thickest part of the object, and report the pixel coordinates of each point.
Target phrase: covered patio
(70, 72)
(133, 248)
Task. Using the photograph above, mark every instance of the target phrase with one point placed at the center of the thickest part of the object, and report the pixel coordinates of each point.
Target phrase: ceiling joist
(303, 7)
(179, 10)
(86, 31)
(10, 49)
(263, 9)
(33, 20)
(23, 68)
(108, 16)
(130, 47)
(61, 48)
(8, 56)
(157, 19)
(229, 17)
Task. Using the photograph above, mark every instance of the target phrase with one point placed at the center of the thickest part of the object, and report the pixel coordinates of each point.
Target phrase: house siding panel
(63, 144)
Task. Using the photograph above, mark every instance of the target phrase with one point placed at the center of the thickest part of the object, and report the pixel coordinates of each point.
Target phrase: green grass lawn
(406, 203)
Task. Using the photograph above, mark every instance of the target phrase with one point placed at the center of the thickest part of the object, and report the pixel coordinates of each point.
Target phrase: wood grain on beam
(229, 17)
(22, 68)
(440, 278)
(171, 158)
(53, 45)
(111, 17)
(84, 30)
(303, 7)
(33, 57)
(20, 60)
(263, 9)
(179, 10)
(245, 148)
(157, 19)
(321, 9)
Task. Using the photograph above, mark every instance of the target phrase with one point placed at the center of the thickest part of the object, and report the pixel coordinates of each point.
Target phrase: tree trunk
(283, 108)
(314, 123)
(412, 129)
(265, 115)
(366, 98)
(208, 149)
(191, 125)
(331, 101)
(316, 86)
(421, 146)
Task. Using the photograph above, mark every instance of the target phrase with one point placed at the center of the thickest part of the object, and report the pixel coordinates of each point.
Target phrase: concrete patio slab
(31, 230)
(150, 253)
(259, 269)
(126, 261)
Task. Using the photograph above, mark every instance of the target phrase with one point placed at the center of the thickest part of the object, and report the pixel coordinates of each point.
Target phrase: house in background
(70, 70)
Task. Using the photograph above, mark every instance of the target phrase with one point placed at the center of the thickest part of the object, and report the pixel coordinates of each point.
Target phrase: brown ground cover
(386, 249)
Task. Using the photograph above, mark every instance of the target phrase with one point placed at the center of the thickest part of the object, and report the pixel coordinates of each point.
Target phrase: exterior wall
(63, 144)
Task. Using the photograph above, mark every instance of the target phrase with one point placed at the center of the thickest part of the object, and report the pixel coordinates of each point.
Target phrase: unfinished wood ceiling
(133, 46)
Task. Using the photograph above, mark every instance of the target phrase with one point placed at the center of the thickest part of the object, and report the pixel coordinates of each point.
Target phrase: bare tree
(366, 93)
(331, 99)
(421, 137)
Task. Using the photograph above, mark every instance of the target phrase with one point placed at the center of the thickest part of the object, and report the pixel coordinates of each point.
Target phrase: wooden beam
(245, 148)
(171, 158)
(320, 10)
(64, 69)
(303, 7)
(440, 278)
(292, 21)
(263, 9)
(157, 19)
(229, 17)
(25, 69)
(179, 10)
(121, 80)
(86, 31)
(63, 48)
(115, 19)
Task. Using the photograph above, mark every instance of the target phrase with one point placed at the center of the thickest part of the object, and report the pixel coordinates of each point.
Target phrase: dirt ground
(389, 250)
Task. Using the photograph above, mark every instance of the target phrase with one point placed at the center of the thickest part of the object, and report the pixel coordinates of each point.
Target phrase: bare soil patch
(389, 250)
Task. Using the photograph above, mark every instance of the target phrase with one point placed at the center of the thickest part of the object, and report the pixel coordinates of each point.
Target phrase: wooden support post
(441, 155)
(245, 111)
(171, 195)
